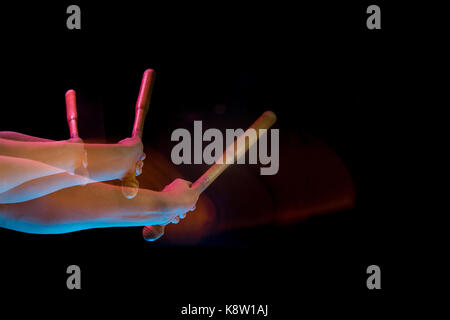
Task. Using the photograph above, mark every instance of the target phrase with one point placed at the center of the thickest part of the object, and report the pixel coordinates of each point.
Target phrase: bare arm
(45, 166)
(105, 161)
(16, 171)
(98, 205)
(59, 154)
(42, 186)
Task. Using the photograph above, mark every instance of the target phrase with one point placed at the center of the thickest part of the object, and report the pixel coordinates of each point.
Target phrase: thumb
(201, 184)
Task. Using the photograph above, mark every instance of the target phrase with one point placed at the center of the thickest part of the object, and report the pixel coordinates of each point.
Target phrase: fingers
(138, 171)
(176, 220)
(139, 166)
(181, 216)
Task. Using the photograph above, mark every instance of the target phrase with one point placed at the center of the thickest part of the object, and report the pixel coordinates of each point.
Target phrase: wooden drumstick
(235, 151)
(130, 185)
(72, 121)
(72, 115)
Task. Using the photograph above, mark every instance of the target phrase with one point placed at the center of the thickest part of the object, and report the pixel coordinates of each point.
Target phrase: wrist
(171, 201)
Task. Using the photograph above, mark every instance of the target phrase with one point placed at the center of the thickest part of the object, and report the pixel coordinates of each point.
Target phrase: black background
(314, 63)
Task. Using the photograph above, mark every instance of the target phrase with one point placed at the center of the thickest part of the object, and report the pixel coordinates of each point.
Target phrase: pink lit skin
(42, 192)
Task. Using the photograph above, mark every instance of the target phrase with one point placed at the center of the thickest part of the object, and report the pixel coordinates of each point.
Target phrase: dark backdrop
(314, 63)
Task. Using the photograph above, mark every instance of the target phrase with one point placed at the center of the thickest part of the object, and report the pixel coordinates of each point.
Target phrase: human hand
(183, 196)
(133, 154)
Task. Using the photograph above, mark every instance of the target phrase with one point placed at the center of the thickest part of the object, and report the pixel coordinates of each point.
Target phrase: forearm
(44, 180)
(108, 161)
(42, 186)
(57, 154)
(16, 171)
(105, 161)
(16, 136)
(96, 205)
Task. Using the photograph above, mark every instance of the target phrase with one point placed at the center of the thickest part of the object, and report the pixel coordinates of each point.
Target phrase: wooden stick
(72, 121)
(130, 185)
(71, 112)
(235, 150)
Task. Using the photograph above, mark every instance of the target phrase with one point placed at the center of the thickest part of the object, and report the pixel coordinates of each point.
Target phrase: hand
(134, 155)
(183, 196)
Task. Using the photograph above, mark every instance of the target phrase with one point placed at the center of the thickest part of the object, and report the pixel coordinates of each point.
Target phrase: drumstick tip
(270, 114)
(69, 92)
(149, 72)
